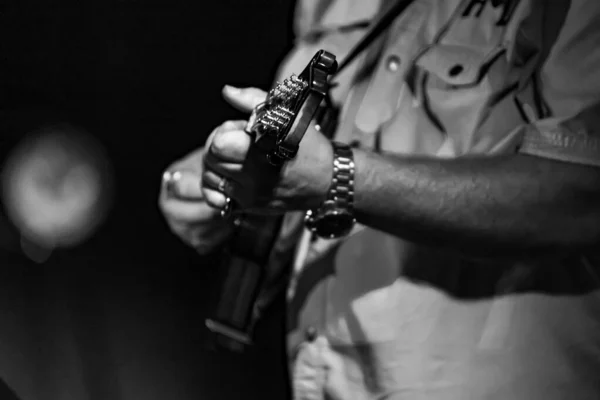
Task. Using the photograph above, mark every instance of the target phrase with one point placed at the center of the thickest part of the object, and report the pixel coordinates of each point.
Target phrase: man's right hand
(185, 209)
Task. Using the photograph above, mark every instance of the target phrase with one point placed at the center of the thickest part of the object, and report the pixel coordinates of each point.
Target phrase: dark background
(121, 317)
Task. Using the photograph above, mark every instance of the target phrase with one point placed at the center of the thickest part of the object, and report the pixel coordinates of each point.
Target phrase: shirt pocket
(454, 67)
(457, 86)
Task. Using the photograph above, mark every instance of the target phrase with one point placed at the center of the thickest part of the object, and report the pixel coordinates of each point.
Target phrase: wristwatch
(335, 216)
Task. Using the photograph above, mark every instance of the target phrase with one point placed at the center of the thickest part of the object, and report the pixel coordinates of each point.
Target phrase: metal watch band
(341, 190)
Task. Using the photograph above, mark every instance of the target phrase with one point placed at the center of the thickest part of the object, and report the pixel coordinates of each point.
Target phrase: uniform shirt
(373, 316)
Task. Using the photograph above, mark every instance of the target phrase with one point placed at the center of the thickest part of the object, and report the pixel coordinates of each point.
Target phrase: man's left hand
(302, 182)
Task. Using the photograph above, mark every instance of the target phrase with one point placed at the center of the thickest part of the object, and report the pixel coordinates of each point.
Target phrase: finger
(233, 125)
(217, 182)
(231, 146)
(245, 99)
(187, 212)
(183, 185)
(225, 126)
(214, 198)
(226, 169)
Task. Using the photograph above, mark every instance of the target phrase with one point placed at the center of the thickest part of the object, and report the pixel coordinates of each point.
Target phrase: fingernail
(232, 89)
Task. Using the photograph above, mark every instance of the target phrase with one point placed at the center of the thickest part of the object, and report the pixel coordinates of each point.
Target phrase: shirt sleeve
(570, 89)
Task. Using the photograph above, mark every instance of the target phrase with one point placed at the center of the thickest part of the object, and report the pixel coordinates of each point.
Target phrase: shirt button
(393, 63)
(456, 70)
(310, 334)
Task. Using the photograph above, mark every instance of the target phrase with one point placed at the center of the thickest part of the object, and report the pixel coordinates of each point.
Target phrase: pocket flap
(456, 65)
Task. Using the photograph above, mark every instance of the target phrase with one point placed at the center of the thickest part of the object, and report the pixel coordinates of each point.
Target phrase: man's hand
(301, 184)
(185, 209)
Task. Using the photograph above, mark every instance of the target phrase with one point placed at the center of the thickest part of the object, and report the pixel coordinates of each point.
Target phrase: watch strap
(341, 191)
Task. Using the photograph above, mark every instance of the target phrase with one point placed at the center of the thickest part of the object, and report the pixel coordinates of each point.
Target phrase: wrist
(334, 217)
(323, 176)
(305, 180)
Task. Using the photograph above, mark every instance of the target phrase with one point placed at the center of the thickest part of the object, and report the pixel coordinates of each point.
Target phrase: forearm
(510, 204)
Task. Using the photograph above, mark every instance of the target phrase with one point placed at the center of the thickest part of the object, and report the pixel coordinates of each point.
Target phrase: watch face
(334, 224)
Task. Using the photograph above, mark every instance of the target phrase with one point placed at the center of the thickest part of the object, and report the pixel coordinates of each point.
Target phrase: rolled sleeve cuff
(569, 141)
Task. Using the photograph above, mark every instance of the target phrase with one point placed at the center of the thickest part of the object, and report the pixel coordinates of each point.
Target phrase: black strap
(328, 113)
(376, 29)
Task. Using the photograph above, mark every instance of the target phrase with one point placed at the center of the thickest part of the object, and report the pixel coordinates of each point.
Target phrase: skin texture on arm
(511, 204)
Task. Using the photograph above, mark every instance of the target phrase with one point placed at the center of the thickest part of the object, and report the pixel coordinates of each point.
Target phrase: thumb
(245, 99)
